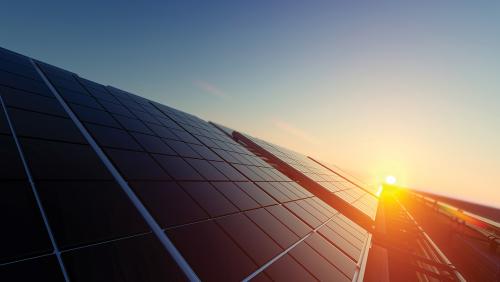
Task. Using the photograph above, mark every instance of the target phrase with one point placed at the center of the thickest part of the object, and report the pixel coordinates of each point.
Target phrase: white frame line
(361, 265)
(56, 251)
(278, 256)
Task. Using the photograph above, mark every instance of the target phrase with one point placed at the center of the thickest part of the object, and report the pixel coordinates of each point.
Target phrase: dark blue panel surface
(140, 258)
(37, 269)
(23, 232)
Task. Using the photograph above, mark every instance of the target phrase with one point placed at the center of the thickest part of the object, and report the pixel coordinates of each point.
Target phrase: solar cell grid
(18, 81)
(218, 138)
(36, 103)
(277, 230)
(318, 254)
(70, 205)
(13, 65)
(215, 256)
(269, 181)
(288, 269)
(346, 265)
(123, 260)
(254, 242)
(49, 127)
(91, 115)
(330, 181)
(256, 193)
(50, 155)
(317, 264)
(79, 212)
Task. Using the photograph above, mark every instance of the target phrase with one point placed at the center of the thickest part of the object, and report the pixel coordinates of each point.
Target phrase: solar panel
(111, 179)
(64, 199)
(344, 192)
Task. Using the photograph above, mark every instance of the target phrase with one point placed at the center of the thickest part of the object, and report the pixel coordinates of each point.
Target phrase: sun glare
(390, 180)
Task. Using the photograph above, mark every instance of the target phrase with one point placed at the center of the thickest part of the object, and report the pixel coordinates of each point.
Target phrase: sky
(377, 88)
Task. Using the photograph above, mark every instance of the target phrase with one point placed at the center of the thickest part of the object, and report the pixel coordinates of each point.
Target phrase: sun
(390, 180)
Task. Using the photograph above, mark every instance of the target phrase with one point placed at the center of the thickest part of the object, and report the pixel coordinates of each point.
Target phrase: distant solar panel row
(339, 186)
(67, 217)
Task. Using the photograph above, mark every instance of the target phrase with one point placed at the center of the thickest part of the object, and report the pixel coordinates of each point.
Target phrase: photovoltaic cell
(316, 264)
(277, 230)
(48, 127)
(52, 160)
(216, 257)
(258, 245)
(32, 102)
(170, 204)
(70, 205)
(288, 269)
(139, 258)
(23, 232)
(12, 168)
(137, 165)
(113, 137)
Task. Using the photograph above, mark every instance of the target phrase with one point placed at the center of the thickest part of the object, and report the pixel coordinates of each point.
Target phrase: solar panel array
(333, 182)
(80, 160)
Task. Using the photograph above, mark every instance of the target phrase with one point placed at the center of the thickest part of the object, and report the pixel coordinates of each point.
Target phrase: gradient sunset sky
(377, 88)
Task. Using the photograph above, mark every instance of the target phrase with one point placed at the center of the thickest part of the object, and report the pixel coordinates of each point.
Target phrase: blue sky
(378, 88)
